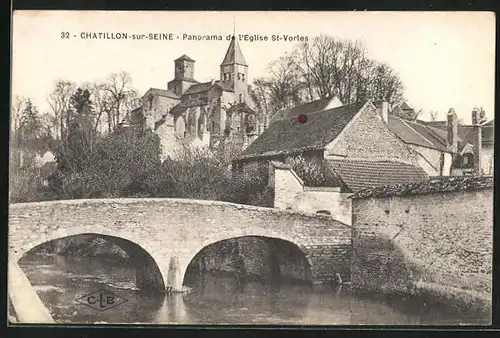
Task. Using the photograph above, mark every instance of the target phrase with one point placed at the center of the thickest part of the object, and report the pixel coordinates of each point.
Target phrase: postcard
(262, 168)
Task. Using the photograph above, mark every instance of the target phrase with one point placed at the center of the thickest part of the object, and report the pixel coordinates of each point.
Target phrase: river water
(60, 281)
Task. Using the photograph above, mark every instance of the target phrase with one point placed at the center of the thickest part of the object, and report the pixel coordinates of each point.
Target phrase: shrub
(120, 165)
(319, 173)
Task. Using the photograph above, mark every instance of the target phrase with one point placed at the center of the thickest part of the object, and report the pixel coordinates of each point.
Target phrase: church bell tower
(234, 71)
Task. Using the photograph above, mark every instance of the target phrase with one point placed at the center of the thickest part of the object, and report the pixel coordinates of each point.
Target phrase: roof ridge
(328, 110)
(409, 126)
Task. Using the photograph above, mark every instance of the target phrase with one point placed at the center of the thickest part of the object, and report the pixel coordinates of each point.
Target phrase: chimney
(452, 128)
(477, 143)
(384, 111)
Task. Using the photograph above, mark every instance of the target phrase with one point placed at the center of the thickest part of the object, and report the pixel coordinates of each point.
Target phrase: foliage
(317, 173)
(119, 166)
(25, 185)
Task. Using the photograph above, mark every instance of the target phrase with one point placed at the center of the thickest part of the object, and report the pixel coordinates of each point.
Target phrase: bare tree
(282, 88)
(331, 66)
(103, 103)
(119, 86)
(59, 102)
(433, 115)
(16, 109)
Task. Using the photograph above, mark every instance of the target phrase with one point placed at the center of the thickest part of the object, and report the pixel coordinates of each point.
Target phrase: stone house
(353, 141)
(193, 114)
(440, 152)
(480, 137)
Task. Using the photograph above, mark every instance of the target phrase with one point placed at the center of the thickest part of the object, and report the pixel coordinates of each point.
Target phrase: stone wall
(369, 138)
(173, 231)
(290, 193)
(438, 243)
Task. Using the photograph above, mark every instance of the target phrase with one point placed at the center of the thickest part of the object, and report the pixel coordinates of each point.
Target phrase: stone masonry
(164, 235)
(433, 242)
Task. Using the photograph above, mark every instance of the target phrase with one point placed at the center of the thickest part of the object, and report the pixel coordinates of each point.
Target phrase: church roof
(206, 86)
(163, 92)
(184, 58)
(234, 55)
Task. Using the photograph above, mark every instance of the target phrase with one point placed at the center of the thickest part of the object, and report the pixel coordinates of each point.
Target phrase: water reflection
(59, 281)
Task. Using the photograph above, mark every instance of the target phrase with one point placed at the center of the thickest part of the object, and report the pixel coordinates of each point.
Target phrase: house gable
(368, 137)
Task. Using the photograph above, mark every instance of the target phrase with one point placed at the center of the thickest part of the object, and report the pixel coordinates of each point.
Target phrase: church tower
(234, 71)
(183, 75)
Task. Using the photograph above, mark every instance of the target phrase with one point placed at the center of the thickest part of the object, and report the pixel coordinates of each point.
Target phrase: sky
(445, 59)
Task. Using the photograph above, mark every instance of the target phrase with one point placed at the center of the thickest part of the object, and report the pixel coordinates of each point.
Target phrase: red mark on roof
(302, 119)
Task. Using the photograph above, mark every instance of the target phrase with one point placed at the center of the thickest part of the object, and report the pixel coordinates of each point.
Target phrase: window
(239, 76)
(225, 77)
(241, 98)
(243, 76)
(213, 126)
(151, 102)
(466, 160)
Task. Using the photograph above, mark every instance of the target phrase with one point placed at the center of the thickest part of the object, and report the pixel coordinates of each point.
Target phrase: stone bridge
(162, 236)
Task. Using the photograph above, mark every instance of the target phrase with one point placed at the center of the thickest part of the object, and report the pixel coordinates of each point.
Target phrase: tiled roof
(465, 132)
(225, 86)
(198, 88)
(205, 86)
(185, 58)
(436, 185)
(421, 134)
(234, 55)
(163, 92)
(362, 174)
(242, 106)
(289, 136)
(309, 107)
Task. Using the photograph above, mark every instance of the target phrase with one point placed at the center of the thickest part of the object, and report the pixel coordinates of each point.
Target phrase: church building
(191, 113)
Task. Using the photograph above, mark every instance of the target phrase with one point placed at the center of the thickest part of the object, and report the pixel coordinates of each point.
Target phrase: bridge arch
(148, 275)
(254, 251)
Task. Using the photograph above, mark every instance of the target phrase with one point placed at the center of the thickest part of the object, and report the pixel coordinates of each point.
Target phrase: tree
(281, 89)
(324, 67)
(122, 96)
(59, 102)
(79, 141)
(30, 126)
(433, 115)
